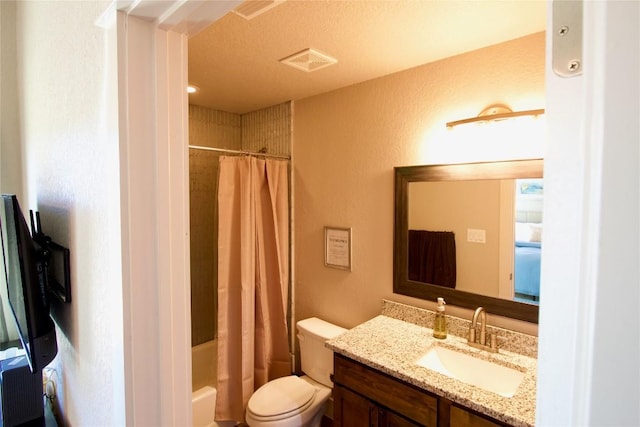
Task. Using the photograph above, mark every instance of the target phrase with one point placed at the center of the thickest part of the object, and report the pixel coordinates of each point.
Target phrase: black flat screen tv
(35, 269)
(27, 287)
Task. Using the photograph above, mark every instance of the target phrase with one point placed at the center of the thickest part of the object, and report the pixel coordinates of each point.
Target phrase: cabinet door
(404, 399)
(352, 410)
(390, 419)
(462, 418)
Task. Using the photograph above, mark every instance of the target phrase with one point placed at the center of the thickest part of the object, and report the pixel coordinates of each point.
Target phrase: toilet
(298, 401)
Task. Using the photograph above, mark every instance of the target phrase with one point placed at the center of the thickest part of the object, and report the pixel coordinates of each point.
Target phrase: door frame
(581, 113)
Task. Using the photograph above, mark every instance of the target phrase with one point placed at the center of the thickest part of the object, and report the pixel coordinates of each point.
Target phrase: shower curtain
(253, 277)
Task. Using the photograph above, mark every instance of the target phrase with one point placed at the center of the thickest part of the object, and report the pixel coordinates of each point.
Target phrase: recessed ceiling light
(192, 89)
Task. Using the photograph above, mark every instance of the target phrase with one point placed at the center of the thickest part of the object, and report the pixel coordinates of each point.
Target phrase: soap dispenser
(440, 326)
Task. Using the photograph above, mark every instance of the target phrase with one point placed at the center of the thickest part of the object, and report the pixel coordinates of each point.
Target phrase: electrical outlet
(49, 383)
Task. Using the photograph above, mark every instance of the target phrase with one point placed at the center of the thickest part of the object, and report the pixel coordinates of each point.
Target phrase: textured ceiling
(235, 62)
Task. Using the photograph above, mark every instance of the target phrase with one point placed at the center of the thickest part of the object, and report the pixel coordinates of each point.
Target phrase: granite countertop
(393, 346)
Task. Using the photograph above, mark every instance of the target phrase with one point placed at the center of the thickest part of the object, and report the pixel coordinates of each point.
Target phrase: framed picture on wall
(337, 247)
(530, 186)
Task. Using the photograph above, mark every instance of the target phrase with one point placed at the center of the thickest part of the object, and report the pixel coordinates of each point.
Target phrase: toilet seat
(281, 398)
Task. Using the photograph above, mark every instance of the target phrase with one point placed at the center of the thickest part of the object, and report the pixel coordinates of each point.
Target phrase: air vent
(309, 60)
(249, 9)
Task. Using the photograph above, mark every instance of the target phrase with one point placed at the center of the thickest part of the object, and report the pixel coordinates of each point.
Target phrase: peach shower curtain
(253, 277)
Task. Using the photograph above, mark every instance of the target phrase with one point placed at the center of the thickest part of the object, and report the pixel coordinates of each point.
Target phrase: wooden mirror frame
(454, 172)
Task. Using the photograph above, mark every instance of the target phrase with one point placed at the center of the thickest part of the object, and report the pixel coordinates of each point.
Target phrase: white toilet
(298, 401)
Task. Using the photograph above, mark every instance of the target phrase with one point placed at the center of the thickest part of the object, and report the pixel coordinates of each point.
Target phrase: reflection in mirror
(479, 236)
(471, 233)
(527, 241)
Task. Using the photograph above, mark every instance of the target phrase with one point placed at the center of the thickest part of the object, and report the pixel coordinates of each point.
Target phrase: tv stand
(20, 394)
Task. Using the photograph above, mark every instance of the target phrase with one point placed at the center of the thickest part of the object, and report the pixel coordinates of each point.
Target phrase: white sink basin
(489, 376)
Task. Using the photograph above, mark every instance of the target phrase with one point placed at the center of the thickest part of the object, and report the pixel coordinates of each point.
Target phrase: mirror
(468, 211)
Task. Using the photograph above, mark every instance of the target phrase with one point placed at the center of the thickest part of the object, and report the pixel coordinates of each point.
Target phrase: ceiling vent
(309, 60)
(249, 9)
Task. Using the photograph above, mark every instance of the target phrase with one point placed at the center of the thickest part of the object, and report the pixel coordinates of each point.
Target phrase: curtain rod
(250, 153)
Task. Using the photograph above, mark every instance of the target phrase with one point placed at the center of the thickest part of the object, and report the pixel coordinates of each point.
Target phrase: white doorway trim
(566, 328)
(153, 129)
(588, 375)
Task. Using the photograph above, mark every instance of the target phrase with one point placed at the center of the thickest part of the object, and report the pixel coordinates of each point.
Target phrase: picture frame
(337, 247)
(530, 187)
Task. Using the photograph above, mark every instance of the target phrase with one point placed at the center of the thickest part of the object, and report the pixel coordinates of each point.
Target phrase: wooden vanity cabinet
(365, 397)
(356, 410)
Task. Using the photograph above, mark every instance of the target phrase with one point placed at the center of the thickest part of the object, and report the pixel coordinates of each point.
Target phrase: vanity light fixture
(494, 113)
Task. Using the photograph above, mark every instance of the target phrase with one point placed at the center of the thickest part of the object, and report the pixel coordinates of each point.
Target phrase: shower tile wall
(207, 128)
(268, 129)
(212, 128)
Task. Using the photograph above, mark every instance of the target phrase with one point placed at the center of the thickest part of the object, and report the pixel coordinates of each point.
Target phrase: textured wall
(69, 132)
(347, 142)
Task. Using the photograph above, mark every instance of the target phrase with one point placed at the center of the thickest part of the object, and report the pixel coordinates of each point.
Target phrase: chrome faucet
(481, 341)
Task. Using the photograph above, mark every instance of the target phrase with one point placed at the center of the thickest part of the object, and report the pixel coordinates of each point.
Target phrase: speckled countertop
(393, 346)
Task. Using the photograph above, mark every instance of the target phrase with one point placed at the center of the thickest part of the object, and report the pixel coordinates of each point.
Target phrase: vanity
(390, 370)
(386, 374)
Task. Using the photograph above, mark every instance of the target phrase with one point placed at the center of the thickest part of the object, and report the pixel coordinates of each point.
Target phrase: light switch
(475, 235)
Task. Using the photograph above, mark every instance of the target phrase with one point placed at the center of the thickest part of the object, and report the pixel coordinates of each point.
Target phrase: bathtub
(203, 404)
(203, 396)
(204, 365)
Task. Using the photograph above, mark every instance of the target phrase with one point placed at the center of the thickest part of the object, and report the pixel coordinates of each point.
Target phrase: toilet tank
(316, 359)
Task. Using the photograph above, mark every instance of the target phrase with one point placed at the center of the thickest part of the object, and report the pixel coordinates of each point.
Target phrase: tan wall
(347, 142)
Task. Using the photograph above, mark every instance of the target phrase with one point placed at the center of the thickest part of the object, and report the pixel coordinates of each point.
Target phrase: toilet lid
(282, 396)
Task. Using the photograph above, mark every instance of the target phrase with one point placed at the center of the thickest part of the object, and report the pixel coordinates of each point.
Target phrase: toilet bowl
(288, 402)
(294, 401)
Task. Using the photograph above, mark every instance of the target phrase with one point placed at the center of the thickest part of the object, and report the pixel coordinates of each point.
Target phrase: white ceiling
(235, 62)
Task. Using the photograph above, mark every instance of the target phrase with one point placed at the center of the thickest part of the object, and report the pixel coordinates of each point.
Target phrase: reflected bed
(527, 271)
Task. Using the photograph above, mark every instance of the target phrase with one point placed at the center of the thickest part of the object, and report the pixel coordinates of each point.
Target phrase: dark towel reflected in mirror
(432, 257)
